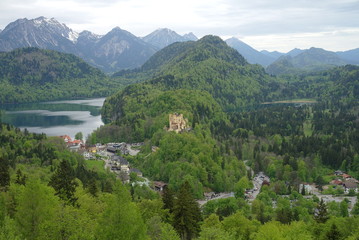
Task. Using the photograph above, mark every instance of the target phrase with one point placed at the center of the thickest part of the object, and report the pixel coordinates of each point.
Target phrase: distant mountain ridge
(253, 56)
(163, 37)
(41, 33)
(313, 59)
(119, 49)
(350, 56)
(111, 52)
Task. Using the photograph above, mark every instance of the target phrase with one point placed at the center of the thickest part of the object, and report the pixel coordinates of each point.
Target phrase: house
(159, 186)
(336, 182)
(66, 138)
(111, 149)
(338, 173)
(125, 166)
(346, 176)
(92, 149)
(135, 170)
(350, 184)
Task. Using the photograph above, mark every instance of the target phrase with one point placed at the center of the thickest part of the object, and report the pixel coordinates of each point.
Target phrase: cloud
(291, 23)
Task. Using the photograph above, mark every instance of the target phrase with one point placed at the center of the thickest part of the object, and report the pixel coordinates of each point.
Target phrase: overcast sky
(264, 24)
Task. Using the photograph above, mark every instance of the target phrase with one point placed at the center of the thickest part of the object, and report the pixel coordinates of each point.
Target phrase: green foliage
(241, 187)
(20, 177)
(142, 110)
(321, 214)
(79, 136)
(186, 213)
(225, 207)
(333, 233)
(168, 199)
(192, 157)
(31, 75)
(159, 230)
(63, 181)
(36, 206)
(4, 174)
(121, 218)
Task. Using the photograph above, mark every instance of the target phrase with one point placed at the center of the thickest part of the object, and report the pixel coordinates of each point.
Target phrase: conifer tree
(168, 199)
(93, 189)
(321, 212)
(20, 177)
(4, 174)
(63, 181)
(187, 213)
(333, 233)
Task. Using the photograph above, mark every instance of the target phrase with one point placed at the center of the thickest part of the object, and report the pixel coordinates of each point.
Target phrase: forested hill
(208, 65)
(336, 86)
(311, 60)
(31, 74)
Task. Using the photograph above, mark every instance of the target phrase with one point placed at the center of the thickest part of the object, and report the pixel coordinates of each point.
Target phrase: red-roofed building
(66, 138)
(346, 176)
(336, 182)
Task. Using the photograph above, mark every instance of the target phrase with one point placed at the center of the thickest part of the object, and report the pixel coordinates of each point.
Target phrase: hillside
(208, 64)
(313, 59)
(200, 80)
(334, 86)
(31, 74)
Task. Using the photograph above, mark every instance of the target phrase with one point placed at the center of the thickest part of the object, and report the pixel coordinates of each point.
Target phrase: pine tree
(93, 189)
(63, 181)
(333, 233)
(20, 178)
(4, 174)
(321, 212)
(187, 213)
(168, 199)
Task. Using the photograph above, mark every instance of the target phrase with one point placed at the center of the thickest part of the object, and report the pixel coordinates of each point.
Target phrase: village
(343, 186)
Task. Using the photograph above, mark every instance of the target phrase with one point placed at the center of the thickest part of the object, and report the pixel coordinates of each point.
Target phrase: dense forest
(48, 192)
(32, 75)
(208, 65)
(292, 144)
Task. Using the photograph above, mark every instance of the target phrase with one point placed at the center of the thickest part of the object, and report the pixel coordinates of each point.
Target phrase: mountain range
(119, 49)
(313, 59)
(116, 50)
(163, 37)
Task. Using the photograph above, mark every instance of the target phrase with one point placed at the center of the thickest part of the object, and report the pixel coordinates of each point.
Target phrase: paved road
(218, 196)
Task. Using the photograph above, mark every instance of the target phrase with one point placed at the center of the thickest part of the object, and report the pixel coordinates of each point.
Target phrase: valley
(224, 150)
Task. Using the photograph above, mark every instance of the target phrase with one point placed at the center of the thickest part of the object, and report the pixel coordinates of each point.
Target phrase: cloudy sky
(264, 24)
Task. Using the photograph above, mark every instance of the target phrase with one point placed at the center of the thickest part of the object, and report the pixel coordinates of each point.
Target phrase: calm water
(56, 118)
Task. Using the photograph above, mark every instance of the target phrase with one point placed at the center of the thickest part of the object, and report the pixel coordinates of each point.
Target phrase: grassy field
(304, 100)
(97, 165)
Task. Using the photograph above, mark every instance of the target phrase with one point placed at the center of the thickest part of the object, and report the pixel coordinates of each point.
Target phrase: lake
(56, 118)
